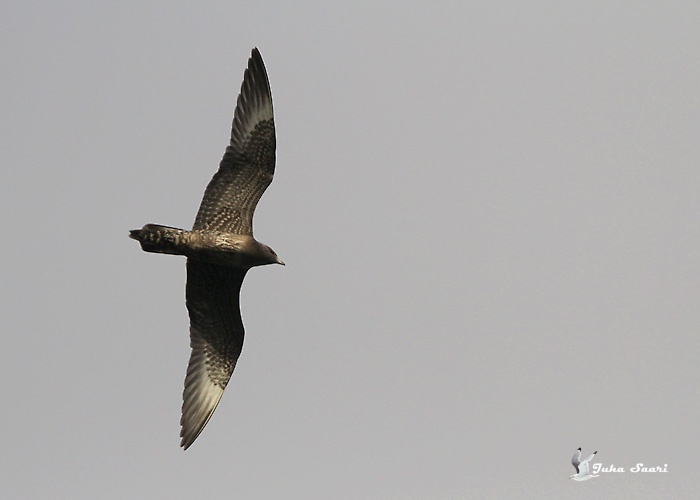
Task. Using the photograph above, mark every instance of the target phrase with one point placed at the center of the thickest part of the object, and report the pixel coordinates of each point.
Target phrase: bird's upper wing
(576, 459)
(216, 338)
(248, 165)
(583, 468)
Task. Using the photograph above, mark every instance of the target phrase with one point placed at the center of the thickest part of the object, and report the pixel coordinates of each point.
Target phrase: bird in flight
(220, 249)
(582, 468)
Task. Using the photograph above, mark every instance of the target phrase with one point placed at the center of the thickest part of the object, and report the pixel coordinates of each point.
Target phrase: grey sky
(489, 216)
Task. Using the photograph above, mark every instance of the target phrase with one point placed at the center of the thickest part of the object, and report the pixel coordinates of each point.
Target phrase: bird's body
(216, 247)
(220, 249)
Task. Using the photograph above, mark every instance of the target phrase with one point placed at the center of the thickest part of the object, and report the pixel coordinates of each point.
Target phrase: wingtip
(187, 438)
(255, 55)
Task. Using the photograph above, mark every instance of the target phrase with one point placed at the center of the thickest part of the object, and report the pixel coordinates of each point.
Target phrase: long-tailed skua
(220, 249)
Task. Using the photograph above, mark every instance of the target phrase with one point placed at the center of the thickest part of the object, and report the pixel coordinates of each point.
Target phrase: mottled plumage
(220, 249)
(249, 162)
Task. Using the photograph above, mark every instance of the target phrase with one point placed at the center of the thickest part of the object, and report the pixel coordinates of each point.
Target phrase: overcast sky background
(489, 214)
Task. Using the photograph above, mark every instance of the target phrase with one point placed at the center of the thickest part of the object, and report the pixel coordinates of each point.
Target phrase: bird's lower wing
(216, 338)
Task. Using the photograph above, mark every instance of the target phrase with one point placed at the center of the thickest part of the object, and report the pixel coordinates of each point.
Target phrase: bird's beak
(279, 261)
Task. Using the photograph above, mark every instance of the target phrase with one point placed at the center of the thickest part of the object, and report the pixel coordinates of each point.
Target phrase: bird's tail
(160, 239)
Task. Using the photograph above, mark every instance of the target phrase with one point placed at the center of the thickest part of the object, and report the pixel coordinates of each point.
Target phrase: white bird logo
(582, 469)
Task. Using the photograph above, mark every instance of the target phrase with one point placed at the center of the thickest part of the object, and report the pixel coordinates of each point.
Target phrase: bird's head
(272, 256)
